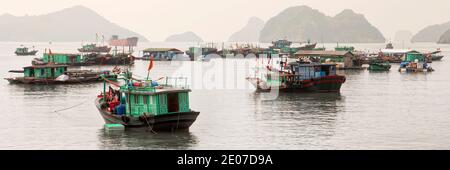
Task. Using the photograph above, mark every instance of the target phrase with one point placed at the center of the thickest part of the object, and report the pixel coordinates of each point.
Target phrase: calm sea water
(373, 111)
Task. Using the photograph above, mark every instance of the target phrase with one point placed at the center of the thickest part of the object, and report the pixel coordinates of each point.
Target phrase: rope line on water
(56, 111)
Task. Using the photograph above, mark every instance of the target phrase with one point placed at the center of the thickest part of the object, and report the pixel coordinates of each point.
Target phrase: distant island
(73, 24)
(250, 32)
(444, 38)
(184, 37)
(302, 23)
(431, 33)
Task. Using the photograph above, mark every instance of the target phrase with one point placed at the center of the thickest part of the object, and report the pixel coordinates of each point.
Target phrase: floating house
(127, 45)
(161, 53)
(343, 59)
(415, 62)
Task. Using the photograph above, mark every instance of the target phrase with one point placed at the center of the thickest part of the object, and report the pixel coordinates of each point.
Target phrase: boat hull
(437, 58)
(21, 80)
(379, 67)
(27, 53)
(179, 121)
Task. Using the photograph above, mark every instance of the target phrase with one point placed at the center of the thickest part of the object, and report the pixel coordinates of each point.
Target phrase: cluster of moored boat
(156, 105)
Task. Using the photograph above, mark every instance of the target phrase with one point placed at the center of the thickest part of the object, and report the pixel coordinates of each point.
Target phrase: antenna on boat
(103, 39)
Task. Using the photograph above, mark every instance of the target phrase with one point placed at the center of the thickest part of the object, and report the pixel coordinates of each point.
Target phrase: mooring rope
(56, 111)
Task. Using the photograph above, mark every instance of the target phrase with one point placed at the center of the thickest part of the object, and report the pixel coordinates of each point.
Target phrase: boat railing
(181, 82)
(141, 88)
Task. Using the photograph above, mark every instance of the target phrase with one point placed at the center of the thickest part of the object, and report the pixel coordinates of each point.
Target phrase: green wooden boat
(379, 66)
(23, 51)
(58, 74)
(145, 104)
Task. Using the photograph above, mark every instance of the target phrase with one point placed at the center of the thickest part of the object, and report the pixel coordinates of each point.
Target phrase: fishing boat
(389, 46)
(415, 62)
(434, 56)
(23, 51)
(84, 60)
(284, 46)
(57, 74)
(298, 76)
(94, 48)
(108, 59)
(394, 55)
(379, 66)
(147, 104)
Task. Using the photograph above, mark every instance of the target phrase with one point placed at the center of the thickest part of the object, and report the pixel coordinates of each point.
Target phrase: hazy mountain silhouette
(431, 33)
(445, 38)
(184, 37)
(77, 23)
(250, 33)
(301, 23)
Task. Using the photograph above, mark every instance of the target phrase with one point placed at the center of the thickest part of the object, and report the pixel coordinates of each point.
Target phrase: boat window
(135, 99)
(145, 99)
(326, 70)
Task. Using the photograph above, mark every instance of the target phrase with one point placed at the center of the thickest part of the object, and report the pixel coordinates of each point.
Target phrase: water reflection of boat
(310, 115)
(142, 140)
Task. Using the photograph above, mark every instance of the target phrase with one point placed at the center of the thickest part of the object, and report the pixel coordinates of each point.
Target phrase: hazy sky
(216, 20)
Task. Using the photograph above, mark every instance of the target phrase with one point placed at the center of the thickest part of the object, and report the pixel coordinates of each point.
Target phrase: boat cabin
(148, 97)
(22, 50)
(414, 56)
(140, 98)
(312, 70)
(161, 53)
(280, 44)
(302, 71)
(44, 71)
(343, 59)
(61, 58)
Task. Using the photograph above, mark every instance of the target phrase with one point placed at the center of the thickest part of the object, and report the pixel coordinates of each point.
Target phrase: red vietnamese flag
(150, 65)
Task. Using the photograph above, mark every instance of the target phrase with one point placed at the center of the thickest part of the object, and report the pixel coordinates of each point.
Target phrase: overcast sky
(216, 20)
